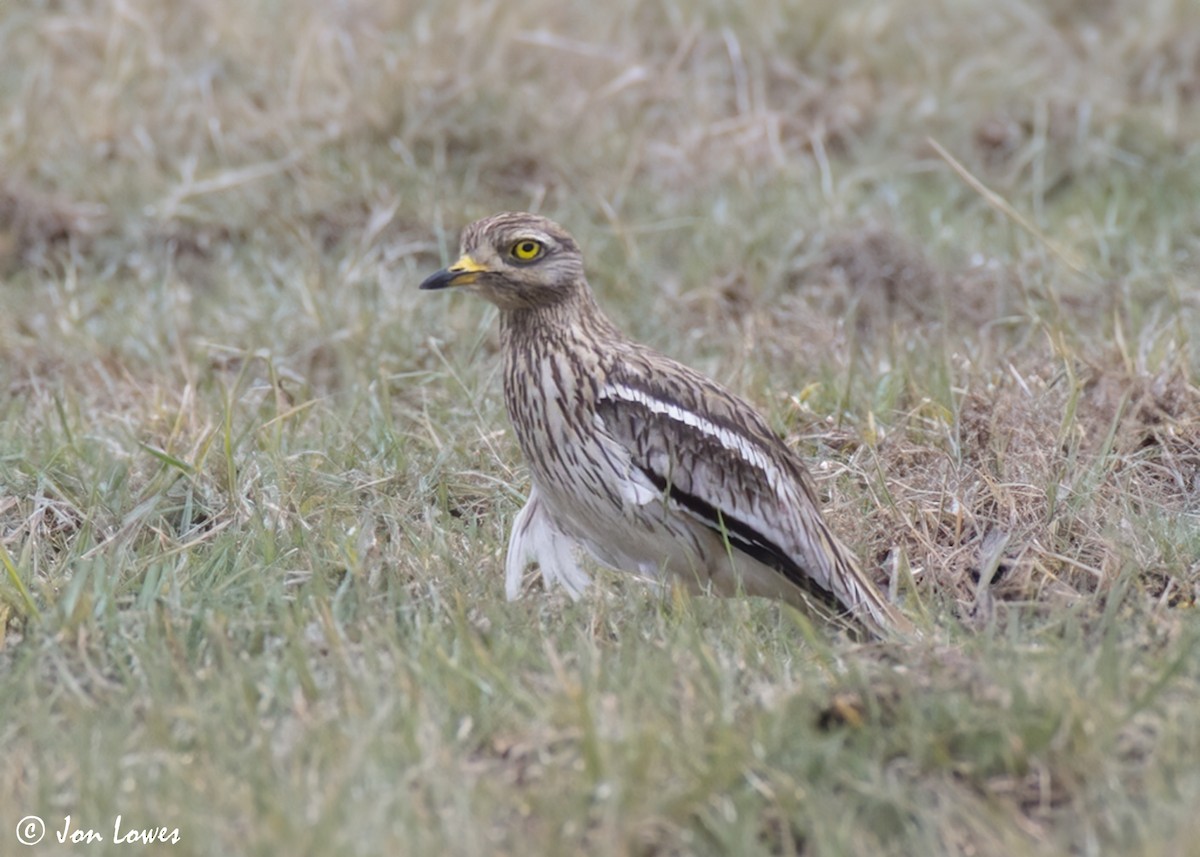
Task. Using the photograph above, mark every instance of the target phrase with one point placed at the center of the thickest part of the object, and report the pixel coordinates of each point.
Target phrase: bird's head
(517, 261)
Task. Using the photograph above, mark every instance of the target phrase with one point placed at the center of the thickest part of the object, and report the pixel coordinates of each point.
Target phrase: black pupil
(527, 248)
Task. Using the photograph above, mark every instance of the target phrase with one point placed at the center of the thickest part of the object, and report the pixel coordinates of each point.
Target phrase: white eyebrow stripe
(730, 440)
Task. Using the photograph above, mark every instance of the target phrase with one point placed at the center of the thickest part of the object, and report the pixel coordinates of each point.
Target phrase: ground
(255, 488)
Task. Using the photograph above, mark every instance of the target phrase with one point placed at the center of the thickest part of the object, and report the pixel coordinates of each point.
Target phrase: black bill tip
(440, 280)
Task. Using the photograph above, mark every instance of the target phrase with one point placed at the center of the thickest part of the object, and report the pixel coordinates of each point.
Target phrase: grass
(255, 489)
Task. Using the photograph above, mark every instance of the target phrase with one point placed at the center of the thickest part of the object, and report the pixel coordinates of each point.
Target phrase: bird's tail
(857, 592)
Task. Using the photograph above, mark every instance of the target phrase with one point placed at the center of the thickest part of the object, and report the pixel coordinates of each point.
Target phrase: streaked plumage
(643, 462)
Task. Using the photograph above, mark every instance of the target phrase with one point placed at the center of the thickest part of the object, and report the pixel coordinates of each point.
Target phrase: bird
(637, 460)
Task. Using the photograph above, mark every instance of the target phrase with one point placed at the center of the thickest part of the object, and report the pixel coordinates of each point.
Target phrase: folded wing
(714, 458)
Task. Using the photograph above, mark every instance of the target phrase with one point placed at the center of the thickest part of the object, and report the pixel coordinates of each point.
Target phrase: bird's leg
(537, 538)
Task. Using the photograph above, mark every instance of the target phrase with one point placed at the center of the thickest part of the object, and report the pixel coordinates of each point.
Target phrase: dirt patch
(878, 277)
(33, 224)
(1024, 497)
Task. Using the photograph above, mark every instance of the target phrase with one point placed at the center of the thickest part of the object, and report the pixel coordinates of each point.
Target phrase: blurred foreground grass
(255, 489)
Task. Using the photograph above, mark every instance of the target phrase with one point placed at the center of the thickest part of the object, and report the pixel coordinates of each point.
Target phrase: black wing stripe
(745, 538)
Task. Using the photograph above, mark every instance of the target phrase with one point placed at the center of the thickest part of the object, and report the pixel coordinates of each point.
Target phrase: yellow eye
(527, 250)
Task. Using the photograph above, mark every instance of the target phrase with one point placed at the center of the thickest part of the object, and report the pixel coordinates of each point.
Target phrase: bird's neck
(576, 319)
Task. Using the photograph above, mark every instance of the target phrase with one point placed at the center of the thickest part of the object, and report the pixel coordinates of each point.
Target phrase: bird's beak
(462, 273)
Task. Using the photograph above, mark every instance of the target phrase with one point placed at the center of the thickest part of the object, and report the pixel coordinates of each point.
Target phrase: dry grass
(254, 488)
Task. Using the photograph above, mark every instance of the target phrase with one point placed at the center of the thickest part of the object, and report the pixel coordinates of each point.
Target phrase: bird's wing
(713, 457)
